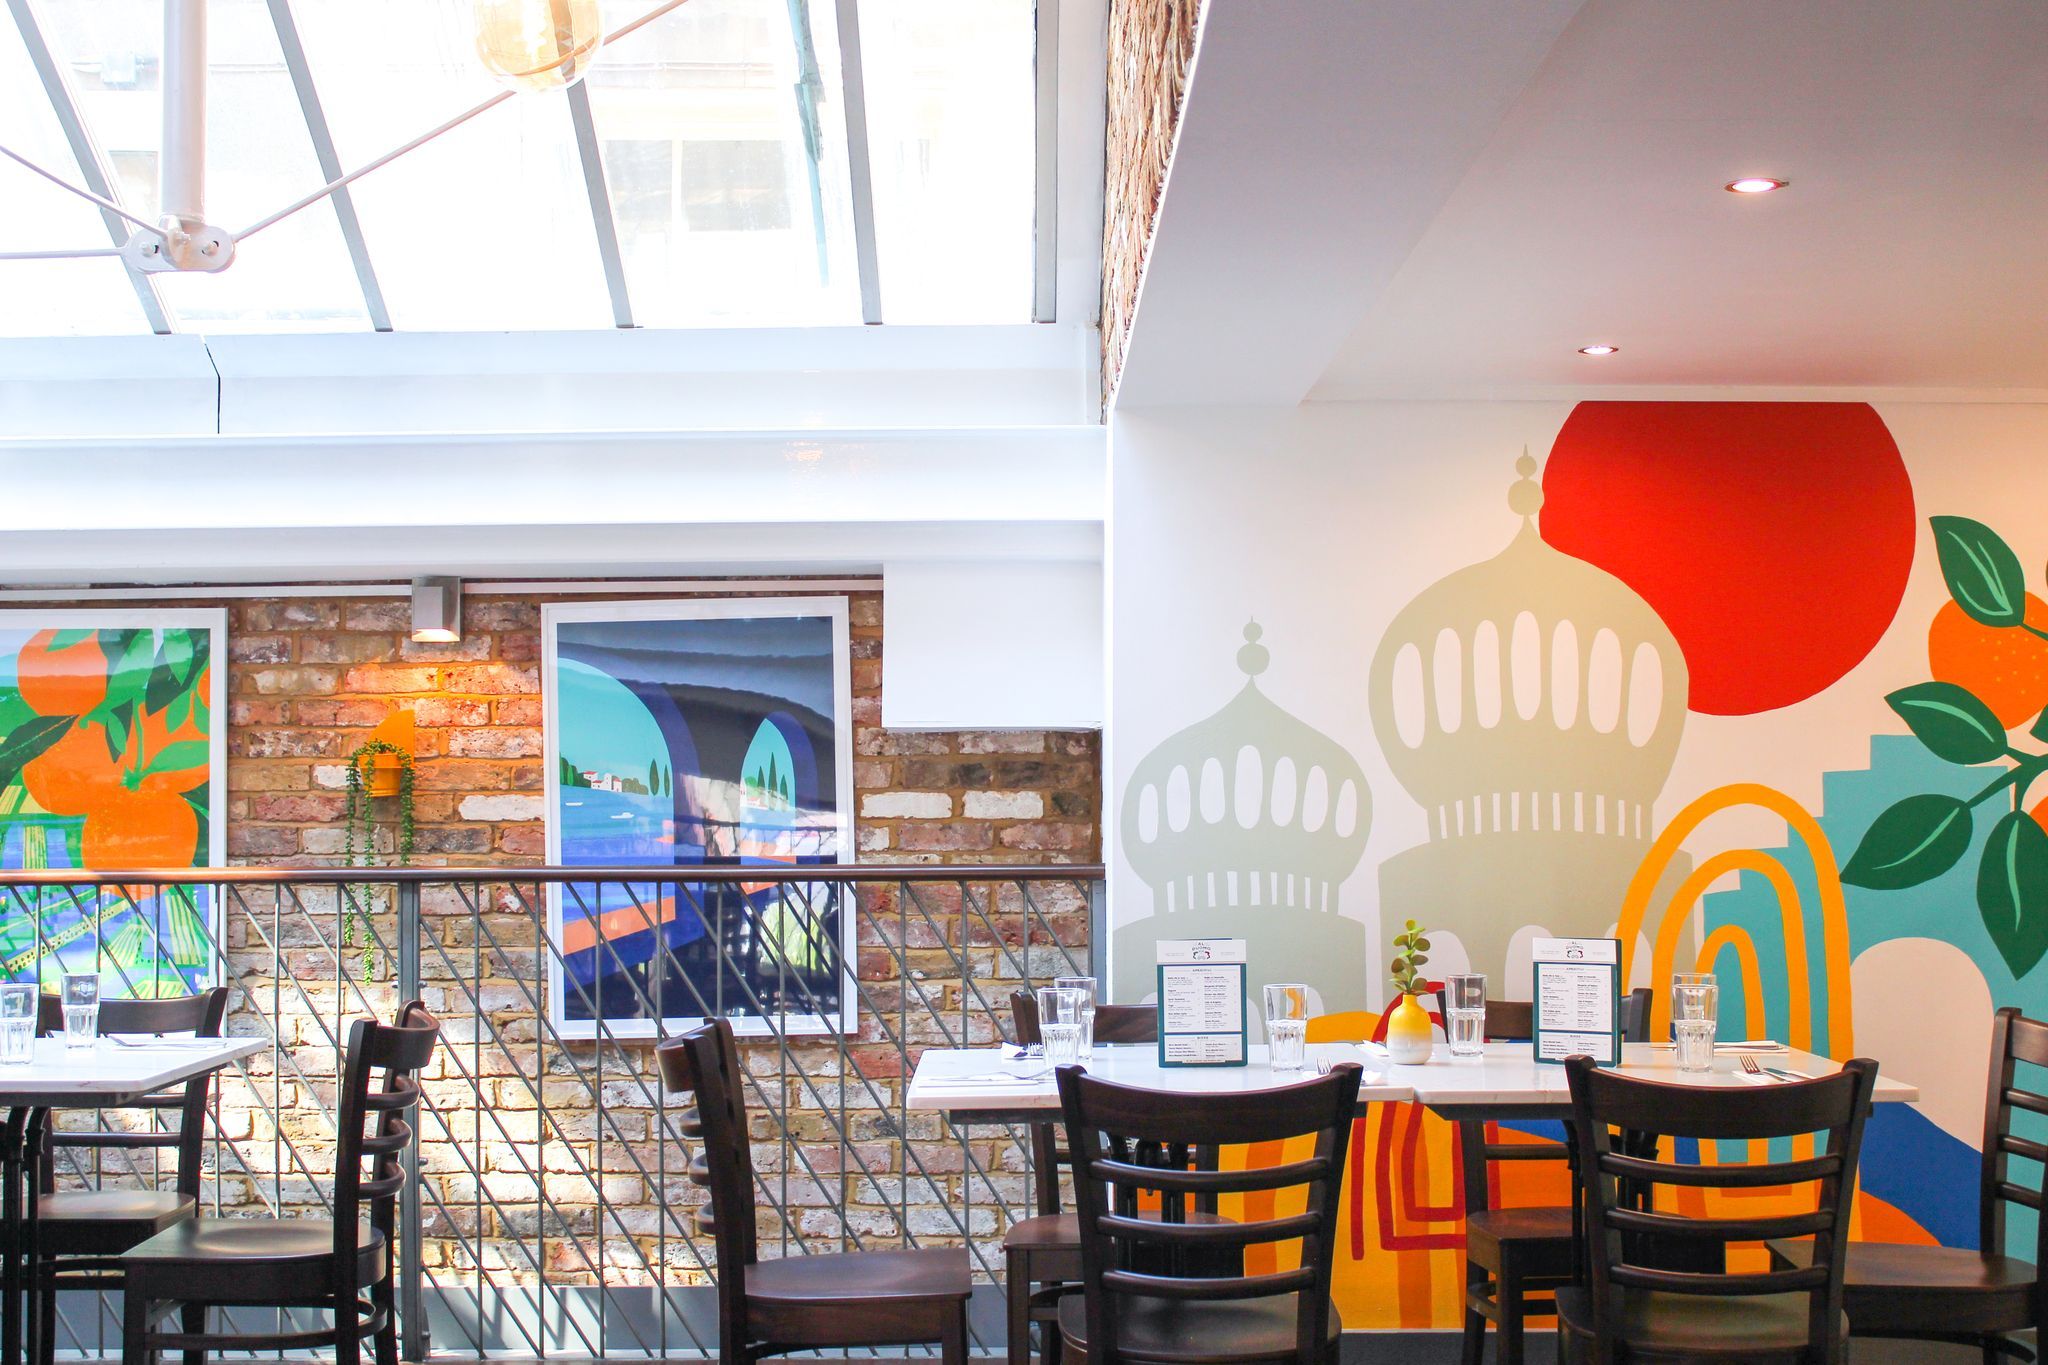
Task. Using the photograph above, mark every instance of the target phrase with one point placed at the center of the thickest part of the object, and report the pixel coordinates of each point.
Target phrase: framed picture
(689, 734)
(113, 756)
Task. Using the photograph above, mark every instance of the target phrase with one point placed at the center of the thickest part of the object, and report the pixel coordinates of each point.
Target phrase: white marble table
(115, 1073)
(110, 1073)
(987, 1085)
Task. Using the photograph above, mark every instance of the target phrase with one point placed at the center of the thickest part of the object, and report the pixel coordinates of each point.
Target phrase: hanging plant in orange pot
(379, 767)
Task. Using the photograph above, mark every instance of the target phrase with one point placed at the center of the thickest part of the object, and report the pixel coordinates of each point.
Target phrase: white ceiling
(1508, 205)
(1910, 250)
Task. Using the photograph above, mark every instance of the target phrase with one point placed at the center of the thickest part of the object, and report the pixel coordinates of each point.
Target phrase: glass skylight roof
(708, 160)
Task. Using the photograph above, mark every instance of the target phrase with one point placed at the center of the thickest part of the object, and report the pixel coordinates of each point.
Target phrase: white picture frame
(833, 612)
(214, 622)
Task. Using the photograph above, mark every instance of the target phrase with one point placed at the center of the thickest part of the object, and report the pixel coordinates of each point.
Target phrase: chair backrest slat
(1113, 1024)
(2015, 1040)
(706, 1062)
(380, 1088)
(1624, 1223)
(1130, 1143)
(199, 1014)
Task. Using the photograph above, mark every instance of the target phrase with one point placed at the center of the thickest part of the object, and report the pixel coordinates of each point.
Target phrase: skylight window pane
(51, 298)
(952, 131)
(295, 276)
(485, 228)
(724, 145)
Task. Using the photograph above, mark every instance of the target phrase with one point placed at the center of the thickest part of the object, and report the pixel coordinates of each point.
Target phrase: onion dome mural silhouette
(1245, 825)
(1532, 704)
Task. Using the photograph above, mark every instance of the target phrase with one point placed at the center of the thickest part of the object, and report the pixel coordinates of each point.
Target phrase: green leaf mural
(1950, 721)
(1922, 837)
(1983, 574)
(2012, 890)
(1915, 841)
(27, 741)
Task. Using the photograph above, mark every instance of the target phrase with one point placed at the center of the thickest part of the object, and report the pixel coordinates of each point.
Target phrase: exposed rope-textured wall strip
(1151, 43)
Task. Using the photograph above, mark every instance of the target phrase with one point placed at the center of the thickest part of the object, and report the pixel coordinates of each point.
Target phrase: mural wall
(1758, 686)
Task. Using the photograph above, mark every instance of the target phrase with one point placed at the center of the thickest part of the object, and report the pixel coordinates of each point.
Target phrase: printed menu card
(1201, 1002)
(1578, 999)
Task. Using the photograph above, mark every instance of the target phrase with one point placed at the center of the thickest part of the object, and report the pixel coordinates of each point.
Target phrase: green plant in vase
(359, 841)
(1408, 1023)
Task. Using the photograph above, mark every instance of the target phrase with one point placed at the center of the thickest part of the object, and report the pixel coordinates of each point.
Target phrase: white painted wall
(1323, 521)
(974, 644)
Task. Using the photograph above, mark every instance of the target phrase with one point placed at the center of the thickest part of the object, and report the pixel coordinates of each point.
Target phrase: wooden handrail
(391, 876)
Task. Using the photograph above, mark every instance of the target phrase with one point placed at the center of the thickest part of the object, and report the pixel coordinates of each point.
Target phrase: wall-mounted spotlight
(437, 610)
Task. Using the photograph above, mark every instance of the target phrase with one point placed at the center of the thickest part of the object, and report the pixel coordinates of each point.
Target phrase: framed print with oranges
(113, 757)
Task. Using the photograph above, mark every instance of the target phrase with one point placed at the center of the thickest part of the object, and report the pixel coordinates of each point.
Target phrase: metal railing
(552, 1215)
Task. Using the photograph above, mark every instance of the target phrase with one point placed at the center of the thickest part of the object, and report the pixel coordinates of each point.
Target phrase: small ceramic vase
(1408, 1033)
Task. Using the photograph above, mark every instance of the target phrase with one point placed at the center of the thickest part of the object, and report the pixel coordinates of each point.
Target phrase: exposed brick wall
(1151, 43)
(309, 677)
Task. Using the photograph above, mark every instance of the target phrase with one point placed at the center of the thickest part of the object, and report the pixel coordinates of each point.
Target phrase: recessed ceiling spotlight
(1755, 184)
(1601, 348)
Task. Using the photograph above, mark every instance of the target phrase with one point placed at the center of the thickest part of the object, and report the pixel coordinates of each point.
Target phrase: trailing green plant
(359, 842)
(1411, 951)
(1919, 838)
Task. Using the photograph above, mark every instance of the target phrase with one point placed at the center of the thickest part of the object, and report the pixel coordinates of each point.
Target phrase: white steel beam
(598, 191)
(329, 160)
(86, 152)
(859, 168)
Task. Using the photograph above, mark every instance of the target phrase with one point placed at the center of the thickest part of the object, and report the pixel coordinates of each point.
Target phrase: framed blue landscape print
(689, 734)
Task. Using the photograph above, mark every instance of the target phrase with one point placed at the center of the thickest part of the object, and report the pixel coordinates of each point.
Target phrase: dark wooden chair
(1142, 1299)
(1516, 1258)
(1974, 1297)
(340, 1264)
(81, 1233)
(1633, 1308)
(1042, 1254)
(798, 1303)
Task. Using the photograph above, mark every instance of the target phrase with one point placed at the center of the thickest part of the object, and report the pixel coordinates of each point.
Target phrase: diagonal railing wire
(553, 1217)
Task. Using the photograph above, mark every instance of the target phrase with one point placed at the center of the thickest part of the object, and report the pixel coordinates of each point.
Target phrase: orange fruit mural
(2007, 670)
(67, 681)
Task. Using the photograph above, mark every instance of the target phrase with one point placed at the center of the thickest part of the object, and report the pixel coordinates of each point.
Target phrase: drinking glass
(1083, 986)
(1287, 1025)
(1695, 1015)
(81, 1008)
(1059, 1025)
(1465, 1006)
(17, 1024)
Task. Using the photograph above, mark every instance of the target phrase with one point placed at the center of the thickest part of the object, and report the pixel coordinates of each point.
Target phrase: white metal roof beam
(330, 161)
(598, 191)
(859, 169)
(85, 150)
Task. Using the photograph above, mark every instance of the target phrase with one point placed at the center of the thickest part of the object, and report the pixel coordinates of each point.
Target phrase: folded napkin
(988, 1078)
(151, 1042)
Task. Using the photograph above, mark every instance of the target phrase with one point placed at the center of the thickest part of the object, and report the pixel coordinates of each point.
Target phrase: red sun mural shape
(1773, 538)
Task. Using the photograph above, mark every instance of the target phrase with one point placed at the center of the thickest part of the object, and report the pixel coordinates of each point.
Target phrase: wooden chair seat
(1042, 1255)
(797, 1303)
(82, 1233)
(1761, 1327)
(269, 1258)
(1514, 1256)
(106, 1222)
(1889, 1289)
(1187, 1332)
(341, 1266)
(1637, 1304)
(866, 1275)
(1529, 1227)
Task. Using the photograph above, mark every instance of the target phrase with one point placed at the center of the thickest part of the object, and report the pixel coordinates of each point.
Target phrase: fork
(1749, 1065)
(1322, 1066)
